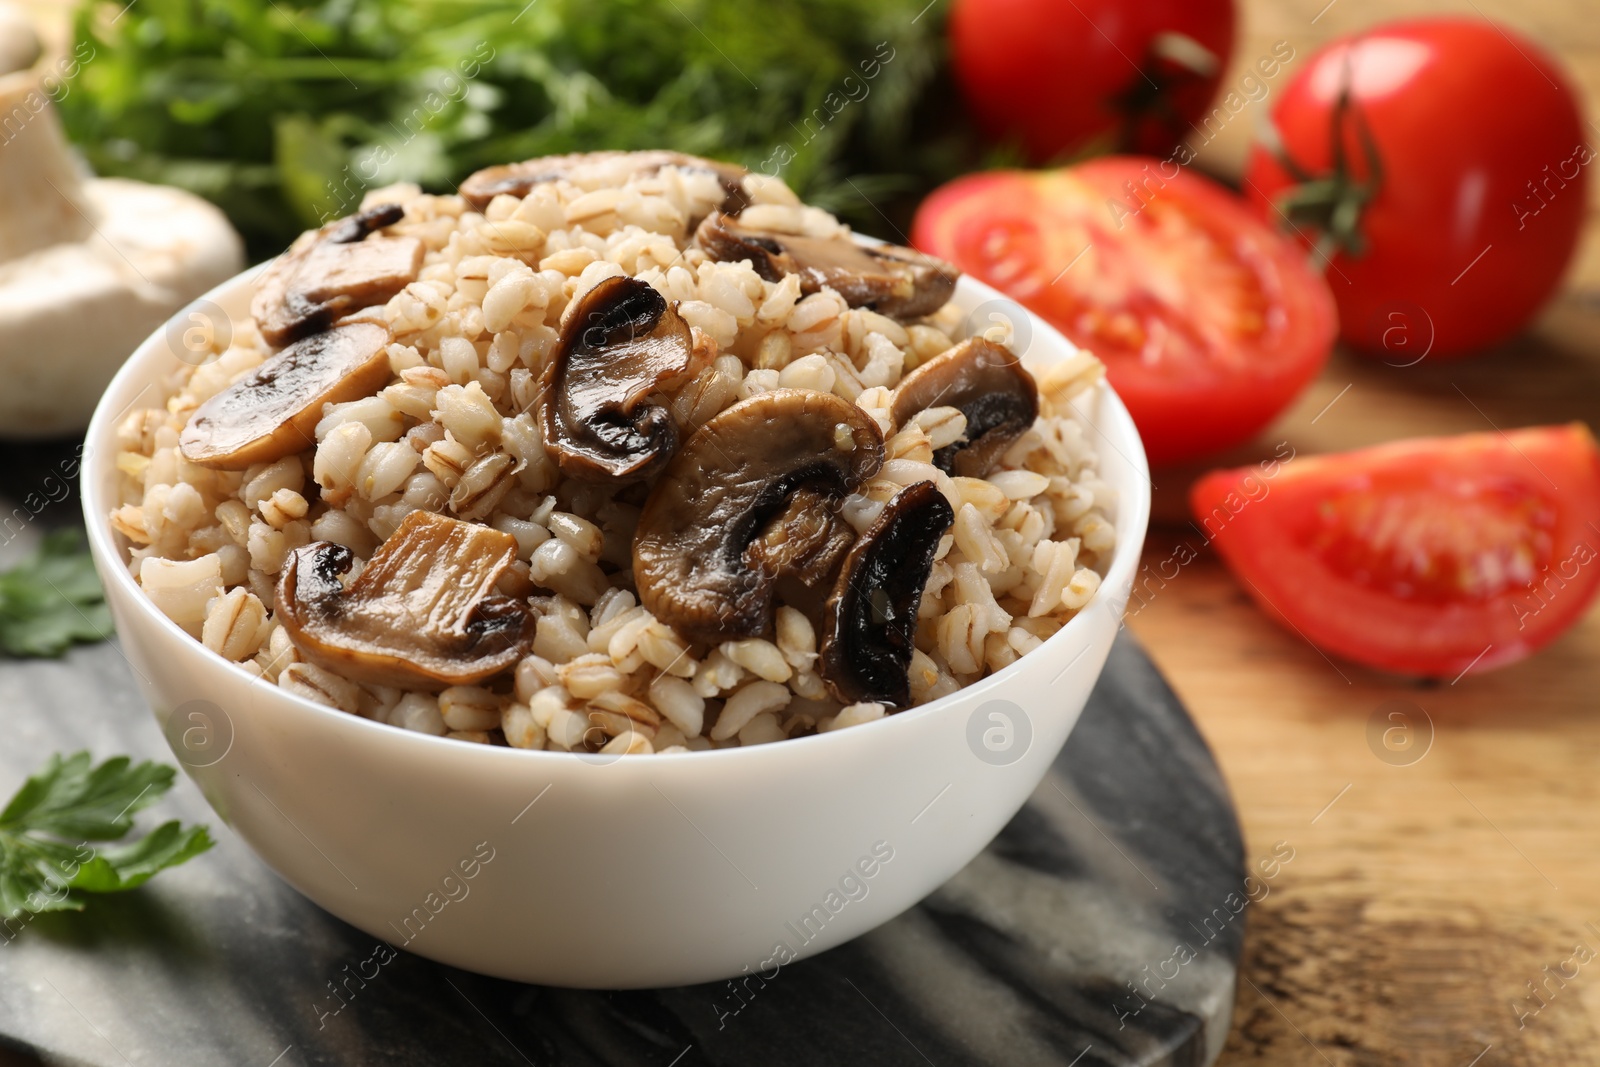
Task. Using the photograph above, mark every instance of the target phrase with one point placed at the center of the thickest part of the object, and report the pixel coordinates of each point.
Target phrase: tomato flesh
(1424, 557)
(1438, 544)
(1208, 322)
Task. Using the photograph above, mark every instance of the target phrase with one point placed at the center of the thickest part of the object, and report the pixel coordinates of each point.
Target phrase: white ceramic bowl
(597, 872)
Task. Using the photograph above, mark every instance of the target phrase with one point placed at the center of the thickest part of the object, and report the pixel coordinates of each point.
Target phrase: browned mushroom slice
(420, 615)
(620, 344)
(363, 224)
(328, 273)
(272, 411)
(516, 179)
(695, 555)
(990, 387)
(871, 619)
(894, 281)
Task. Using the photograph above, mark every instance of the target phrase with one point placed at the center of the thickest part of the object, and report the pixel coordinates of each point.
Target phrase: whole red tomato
(1062, 76)
(1443, 164)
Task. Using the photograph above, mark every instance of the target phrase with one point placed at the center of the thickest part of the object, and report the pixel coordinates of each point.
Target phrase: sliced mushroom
(871, 619)
(619, 345)
(991, 388)
(273, 411)
(898, 282)
(363, 224)
(695, 555)
(516, 179)
(420, 615)
(329, 273)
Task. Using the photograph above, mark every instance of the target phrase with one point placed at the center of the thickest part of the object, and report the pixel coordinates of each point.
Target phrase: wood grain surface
(1424, 896)
(1426, 899)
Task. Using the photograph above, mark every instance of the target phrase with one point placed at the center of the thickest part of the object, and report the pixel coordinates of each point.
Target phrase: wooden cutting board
(1425, 894)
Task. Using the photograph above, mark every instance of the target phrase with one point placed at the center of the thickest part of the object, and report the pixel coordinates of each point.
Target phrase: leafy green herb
(47, 860)
(284, 113)
(53, 600)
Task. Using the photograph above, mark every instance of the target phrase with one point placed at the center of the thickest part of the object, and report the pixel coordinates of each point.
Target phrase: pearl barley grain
(746, 704)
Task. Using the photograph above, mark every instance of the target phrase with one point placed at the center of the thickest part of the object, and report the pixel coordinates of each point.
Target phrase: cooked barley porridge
(621, 452)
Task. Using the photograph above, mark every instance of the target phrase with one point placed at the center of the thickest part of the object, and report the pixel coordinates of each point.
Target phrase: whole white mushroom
(89, 267)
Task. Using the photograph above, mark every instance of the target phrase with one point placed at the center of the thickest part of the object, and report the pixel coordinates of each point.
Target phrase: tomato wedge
(1432, 556)
(1208, 321)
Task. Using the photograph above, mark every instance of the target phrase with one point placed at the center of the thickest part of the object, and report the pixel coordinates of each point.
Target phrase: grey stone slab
(1057, 945)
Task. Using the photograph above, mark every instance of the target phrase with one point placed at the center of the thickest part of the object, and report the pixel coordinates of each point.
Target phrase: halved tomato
(1208, 321)
(1429, 557)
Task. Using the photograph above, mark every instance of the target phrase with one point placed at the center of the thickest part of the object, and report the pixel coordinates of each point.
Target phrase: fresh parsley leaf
(283, 114)
(127, 866)
(52, 601)
(36, 875)
(47, 861)
(72, 799)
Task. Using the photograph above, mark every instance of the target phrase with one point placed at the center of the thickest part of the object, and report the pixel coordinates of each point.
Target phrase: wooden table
(1422, 898)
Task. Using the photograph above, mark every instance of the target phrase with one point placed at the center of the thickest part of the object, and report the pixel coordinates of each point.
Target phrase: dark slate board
(1025, 957)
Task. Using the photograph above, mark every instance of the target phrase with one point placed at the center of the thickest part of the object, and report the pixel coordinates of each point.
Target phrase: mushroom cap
(329, 273)
(516, 179)
(273, 411)
(19, 43)
(619, 344)
(420, 615)
(990, 386)
(870, 621)
(898, 282)
(73, 311)
(731, 479)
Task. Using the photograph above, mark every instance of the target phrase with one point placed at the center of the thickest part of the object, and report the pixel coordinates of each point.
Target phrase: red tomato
(1208, 321)
(1059, 74)
(1480, 188)
(1425, 557)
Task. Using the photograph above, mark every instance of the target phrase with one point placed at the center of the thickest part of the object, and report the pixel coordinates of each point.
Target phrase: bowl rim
(113, 567)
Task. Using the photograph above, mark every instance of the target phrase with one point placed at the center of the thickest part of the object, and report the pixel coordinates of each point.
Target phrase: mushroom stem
(702, 555)
(44, 202)
(989, 386)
